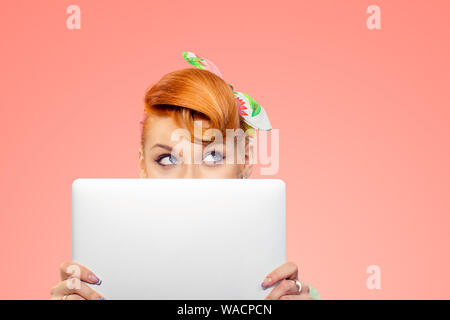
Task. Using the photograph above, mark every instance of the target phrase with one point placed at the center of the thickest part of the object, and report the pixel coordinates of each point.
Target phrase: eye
(213, 157)
(166, 160)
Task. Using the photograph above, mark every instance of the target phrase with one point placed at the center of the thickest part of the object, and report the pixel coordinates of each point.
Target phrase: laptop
(179, 238)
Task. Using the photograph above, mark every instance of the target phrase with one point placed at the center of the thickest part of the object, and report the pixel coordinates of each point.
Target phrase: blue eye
(166, 160)
(213, 157)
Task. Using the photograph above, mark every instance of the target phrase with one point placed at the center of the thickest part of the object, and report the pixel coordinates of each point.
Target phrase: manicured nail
(94, 279)
(266, 282)
(100, 298)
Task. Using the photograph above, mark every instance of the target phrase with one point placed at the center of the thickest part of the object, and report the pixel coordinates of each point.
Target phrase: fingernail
(266, 282)
(94, 279)
(100, 298)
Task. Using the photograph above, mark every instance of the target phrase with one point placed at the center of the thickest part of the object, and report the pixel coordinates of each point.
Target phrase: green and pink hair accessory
(250, 111)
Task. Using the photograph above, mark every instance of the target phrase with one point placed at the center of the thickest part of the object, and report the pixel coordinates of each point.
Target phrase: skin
(161, 157)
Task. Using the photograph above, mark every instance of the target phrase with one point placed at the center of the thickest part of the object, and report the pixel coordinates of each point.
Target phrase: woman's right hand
(73, 283)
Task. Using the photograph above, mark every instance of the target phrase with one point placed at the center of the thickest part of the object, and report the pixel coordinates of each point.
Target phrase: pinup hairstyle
(190, 94)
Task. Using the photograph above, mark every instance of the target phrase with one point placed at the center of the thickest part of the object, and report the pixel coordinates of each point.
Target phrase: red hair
(190, 93)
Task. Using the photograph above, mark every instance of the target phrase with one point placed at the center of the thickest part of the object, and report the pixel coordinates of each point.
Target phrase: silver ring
(299, 285)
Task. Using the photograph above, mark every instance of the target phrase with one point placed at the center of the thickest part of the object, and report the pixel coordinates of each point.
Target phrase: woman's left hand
(287, 288)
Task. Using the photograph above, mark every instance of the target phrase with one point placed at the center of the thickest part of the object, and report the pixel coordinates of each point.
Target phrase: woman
(184, 99)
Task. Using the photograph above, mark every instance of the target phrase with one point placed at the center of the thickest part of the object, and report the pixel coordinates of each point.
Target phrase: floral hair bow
(250, 111)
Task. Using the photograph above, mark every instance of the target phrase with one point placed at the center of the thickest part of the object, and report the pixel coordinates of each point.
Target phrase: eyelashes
(211, 158)
(166, 159)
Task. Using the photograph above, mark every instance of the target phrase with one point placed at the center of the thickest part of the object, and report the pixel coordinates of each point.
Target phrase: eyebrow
(159, 145)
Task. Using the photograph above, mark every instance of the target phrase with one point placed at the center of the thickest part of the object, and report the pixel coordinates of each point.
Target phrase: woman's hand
(75, 276)
(287, 288)
(73, 283)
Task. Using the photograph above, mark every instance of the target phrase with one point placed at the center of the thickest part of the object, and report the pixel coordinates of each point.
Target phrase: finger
(285, 287)
(66, 288)
(75, 270)
(289, 270)
(305, 288)
(74, 297)
(303, 296)
(69, 297)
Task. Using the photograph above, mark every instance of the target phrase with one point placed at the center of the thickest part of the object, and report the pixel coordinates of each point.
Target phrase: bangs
(189, 95)
(184, 118)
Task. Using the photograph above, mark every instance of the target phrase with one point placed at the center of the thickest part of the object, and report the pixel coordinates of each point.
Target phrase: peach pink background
(364, 119)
